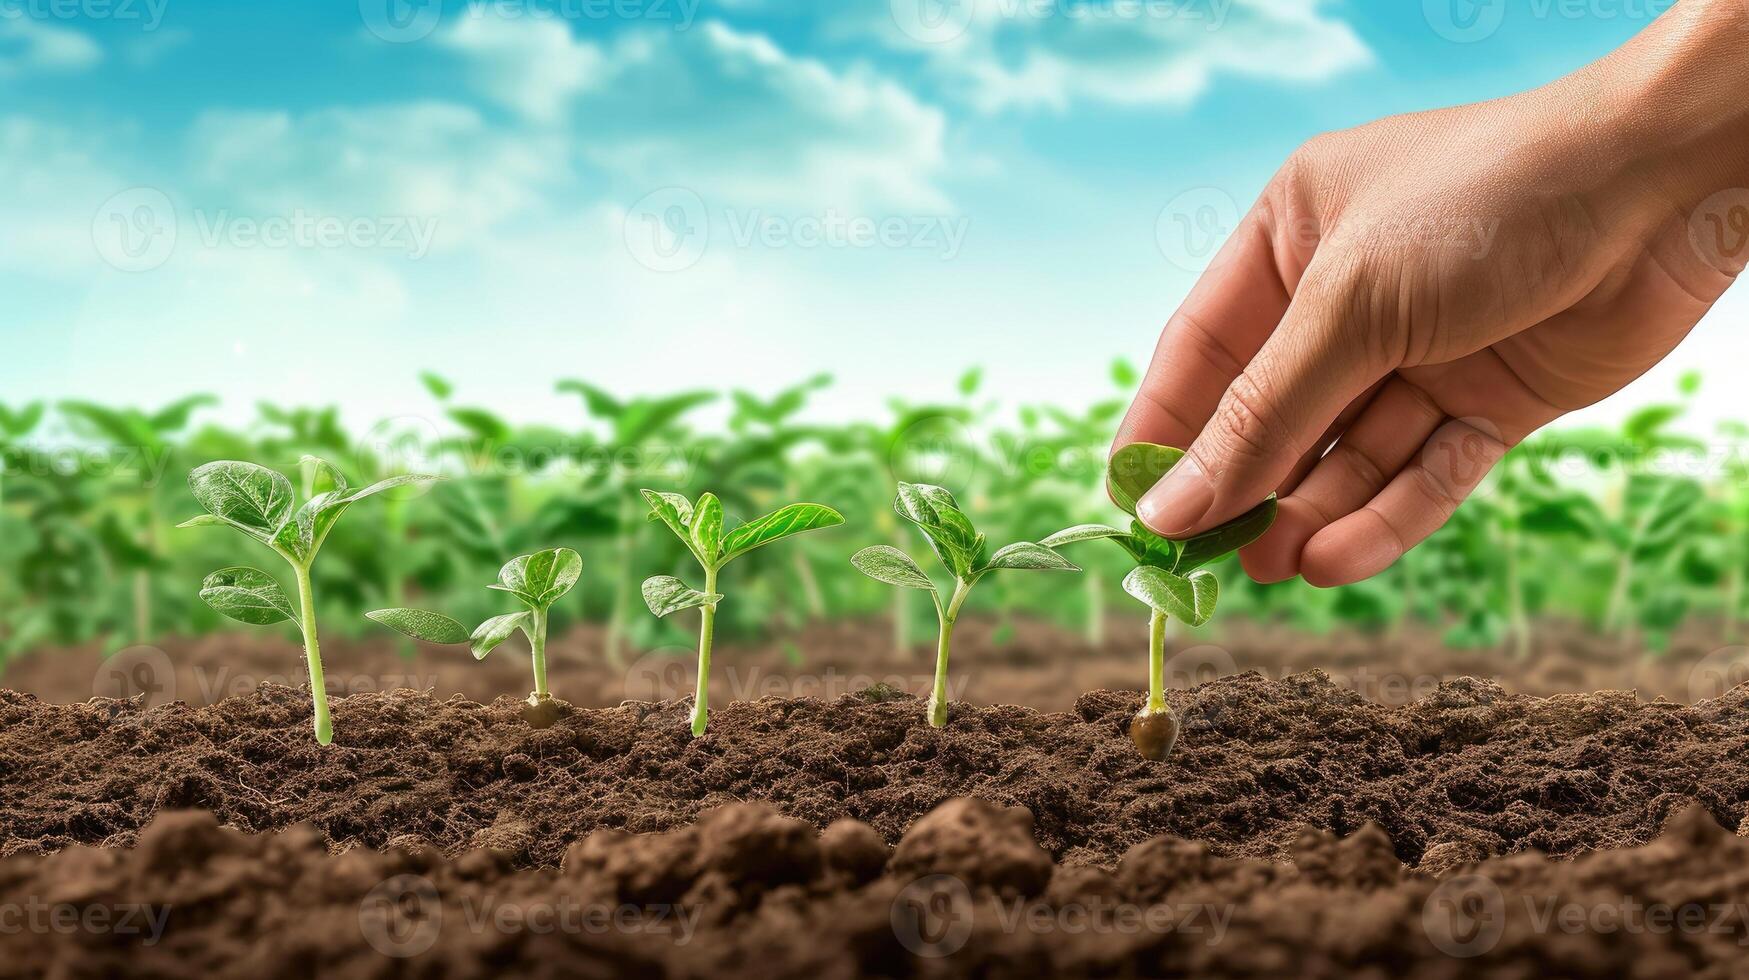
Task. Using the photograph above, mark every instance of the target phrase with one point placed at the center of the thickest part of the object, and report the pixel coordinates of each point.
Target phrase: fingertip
(1276, 556)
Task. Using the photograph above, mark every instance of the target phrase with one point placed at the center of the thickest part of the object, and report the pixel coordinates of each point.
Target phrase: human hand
(1427, 290)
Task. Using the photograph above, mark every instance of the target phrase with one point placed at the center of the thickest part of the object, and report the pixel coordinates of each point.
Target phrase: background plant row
(1630, 530)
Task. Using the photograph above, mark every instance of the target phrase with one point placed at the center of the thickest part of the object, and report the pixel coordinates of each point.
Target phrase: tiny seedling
(537, 581)
(1168, 576)
(963, 552)
(701, 529)
(259, 502)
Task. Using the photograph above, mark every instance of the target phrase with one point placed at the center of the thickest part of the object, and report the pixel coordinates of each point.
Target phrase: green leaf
(21, 422)
(304, 535)
(1134, 469)
(949, 531)
(781, 523)
(970, 381)
(1082, 532)
(440, 388)
(707, 527)
(496, 630)
(247, 595)
(1191, 599)
(1219, 542)
(1028, 556)
(421, 625)
(1148, 548)
(666, 594)
(885, 563)
(252, 498)
(675, 511)
(336, 479)
(175, 415)
(542, 578)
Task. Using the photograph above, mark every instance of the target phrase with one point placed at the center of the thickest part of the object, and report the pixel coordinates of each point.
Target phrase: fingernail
(1181, 498)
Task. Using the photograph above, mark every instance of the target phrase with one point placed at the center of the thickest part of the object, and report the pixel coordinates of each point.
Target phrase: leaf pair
(702, 529)
(537, 580)
(1169, 576)
(961, 549)
(259, 502)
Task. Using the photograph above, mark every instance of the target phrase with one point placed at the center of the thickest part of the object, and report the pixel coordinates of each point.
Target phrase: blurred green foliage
(1630, 530)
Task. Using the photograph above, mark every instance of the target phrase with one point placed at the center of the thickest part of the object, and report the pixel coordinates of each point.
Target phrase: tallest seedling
(259, 502)
(701, 529)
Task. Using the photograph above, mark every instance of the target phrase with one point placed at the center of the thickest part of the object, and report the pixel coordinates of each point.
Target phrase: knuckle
(1363, 468)
(1250, 425)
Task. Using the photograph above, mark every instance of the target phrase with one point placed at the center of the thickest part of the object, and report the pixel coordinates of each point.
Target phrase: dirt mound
(748, 892)
(1468, 772)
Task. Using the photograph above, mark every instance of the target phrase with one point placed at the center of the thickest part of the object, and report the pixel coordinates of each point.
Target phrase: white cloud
(728, 114)
(529, 65)
(28, 46)
(427, 160)
(55, 181)
(1033, 54)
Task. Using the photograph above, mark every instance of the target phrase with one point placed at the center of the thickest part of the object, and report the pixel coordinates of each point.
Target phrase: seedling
(537, 581)
(963, 552)
(1168, 576)
(259, 502)
(701, 529)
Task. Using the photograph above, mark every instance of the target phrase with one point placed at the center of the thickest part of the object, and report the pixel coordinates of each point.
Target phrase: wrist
(1672, 105)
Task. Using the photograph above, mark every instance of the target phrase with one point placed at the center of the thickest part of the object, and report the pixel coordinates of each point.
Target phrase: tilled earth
(1299, 828)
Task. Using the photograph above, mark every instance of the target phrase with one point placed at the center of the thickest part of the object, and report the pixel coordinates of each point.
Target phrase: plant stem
(701, 711)
(1095, 609)
(538, 645)
(313, 653)
(1157, 662)
(947, 616)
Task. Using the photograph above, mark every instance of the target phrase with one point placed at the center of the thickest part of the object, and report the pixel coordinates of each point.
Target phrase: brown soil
(1471, 771)
(747, 892)
(1039, 665)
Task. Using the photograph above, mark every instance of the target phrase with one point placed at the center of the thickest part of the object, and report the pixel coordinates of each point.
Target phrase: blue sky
(314, 201)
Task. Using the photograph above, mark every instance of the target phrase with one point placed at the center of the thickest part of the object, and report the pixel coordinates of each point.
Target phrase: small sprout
(537, 581)
(701, 529)
(963, 552)
(1168, 577)
(259, 502)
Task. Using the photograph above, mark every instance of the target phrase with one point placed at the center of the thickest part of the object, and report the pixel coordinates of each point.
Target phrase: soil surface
(1035, 664)
(748, 892)
(1470, 771)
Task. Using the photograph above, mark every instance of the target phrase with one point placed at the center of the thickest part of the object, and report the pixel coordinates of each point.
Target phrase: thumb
(1316, 362)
